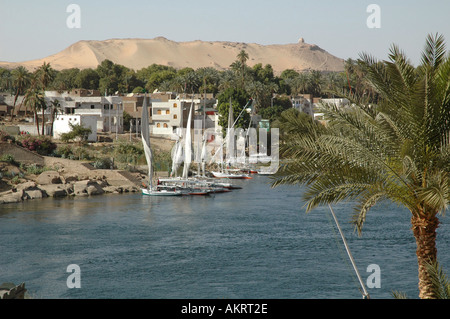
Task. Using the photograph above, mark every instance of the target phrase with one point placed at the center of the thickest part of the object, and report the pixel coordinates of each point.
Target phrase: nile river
(252, 243)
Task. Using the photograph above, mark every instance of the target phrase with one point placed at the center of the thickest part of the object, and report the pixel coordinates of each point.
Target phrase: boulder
(26, 186)
(49, 177)
(71, 178)
(34, 194)
(87, 187)
(80, 188)
(11, 197)
(113, 189)
(130, 189)
(94, 189)
(55, 190)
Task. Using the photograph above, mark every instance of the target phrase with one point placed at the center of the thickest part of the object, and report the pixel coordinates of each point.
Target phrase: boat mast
(145, 134)
(188, 143)
(364, 293)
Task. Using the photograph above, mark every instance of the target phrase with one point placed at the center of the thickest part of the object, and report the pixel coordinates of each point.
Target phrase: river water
(252, 243)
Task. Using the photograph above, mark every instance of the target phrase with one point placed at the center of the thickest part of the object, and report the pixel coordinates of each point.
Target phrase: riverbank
(67, 177)
(26, 175)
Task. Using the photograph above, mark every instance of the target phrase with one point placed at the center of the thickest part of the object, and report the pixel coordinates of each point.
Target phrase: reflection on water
(256, 242)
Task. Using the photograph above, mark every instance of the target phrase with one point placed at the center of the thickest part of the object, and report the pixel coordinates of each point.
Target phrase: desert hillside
(139, 53)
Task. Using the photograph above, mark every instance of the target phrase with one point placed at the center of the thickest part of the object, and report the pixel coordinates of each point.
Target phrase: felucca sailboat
(151, 190)
(227, 172)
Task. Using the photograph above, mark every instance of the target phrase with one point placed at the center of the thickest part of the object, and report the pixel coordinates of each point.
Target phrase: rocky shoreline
(54, 184)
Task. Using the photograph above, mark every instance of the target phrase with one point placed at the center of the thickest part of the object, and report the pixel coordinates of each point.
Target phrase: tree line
(258, 81)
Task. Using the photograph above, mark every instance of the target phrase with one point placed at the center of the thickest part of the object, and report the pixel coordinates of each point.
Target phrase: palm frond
(434, 51)
(399, 295)
(440, 281)
(436, 193)
(363, 208)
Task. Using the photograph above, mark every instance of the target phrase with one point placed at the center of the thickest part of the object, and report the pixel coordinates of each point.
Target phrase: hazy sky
(36, 29)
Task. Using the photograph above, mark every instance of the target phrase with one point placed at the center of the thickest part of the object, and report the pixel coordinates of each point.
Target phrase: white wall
(61, 125)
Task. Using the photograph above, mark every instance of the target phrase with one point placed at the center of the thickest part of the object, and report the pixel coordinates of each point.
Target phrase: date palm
(55, 108)
(35, 99)
(240, 63)
(398, 150)
(45, 75)
(21, 78)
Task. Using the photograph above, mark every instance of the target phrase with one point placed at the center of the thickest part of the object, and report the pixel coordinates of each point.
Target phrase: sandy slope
(139, 53)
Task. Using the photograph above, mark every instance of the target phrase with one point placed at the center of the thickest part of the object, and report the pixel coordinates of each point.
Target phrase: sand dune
(140, 53)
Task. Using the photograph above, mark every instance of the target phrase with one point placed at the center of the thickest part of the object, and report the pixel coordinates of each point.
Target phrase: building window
(158, 112)
(174, 104)
(165, 125)
(92, 107)
(158, 124)
(175, 116)
(167, 111)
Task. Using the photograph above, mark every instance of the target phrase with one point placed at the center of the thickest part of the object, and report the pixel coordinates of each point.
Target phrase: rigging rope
(336, 224)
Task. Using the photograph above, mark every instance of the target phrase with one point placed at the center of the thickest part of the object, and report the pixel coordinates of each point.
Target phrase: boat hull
(230, 176)
(160, 193)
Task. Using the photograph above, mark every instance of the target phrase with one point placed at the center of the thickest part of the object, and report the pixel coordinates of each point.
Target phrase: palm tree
(21, 79)
(35, 99)
(242, 58)
(440, 280)
(397, 151)
(45, 75)
(5, 80)
(56, 106)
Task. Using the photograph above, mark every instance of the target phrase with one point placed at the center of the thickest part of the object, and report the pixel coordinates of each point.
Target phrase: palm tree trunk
(43, 121)
(54, 112)
(14, 105)
(36, 119)
(424, 230)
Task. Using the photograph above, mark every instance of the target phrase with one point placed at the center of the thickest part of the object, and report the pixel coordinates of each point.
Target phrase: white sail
(145, 134)
(203, 154)
(230, 136)
(240, 148)
(188, 146)
(177, 153)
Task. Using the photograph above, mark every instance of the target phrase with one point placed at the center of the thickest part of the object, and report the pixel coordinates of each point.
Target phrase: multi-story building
(170, 111)
(303, 103)
(107, 109)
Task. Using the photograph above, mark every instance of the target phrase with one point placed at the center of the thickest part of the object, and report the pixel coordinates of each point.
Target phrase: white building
(303, 103)
(339, 102)
(171, 111)
(61, 124)
(107, 109)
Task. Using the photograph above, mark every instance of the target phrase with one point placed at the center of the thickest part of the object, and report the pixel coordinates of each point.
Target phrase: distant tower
(301, 40)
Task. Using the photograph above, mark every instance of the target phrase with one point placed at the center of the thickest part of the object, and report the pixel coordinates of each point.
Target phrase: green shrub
(64, 151)
(4, 136)
(127, 152)
(77, 132)
(15, 180)
(9, 159)
(80, 153)
(35, 169)
(102, 163)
